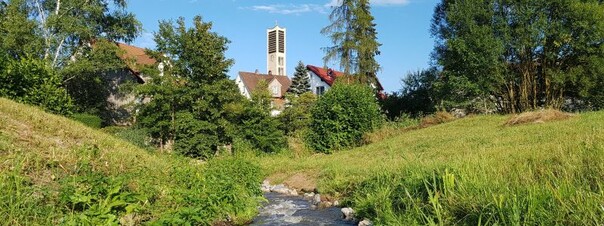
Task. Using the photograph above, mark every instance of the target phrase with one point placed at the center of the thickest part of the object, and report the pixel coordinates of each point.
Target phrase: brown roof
(251, 80)
(137, 54)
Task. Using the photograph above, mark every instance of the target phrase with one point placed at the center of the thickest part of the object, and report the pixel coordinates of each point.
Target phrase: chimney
(270, 72)
(256, 72)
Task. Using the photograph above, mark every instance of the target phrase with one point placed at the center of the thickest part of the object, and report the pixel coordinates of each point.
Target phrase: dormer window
(276, 91)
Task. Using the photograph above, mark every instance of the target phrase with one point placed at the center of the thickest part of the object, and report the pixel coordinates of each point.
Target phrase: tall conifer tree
(300, 82)
(354, 36)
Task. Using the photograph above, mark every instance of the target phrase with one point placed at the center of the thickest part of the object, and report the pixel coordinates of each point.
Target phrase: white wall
(242, 88)
(316, 81)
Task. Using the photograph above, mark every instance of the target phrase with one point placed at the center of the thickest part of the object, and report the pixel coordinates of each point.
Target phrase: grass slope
(470, 171)
(57, 171)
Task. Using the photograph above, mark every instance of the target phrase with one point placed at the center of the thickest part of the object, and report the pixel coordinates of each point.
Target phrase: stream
(295, 210)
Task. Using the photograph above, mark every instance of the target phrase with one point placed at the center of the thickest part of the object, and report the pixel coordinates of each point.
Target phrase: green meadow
(472, 171)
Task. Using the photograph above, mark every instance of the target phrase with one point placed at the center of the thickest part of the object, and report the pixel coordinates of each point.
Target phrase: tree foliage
(354, 36)
(341, 117)
(18, 33)
(31, 81)
(75, 38)
(68, 26)
(194, 103)
(300, 81)
(417, 98)
(88, 77)
(523, 54)
(296, 116)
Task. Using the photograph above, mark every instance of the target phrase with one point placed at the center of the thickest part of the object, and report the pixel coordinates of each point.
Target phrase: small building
(120, 104)
(321, 79)
(277, 86)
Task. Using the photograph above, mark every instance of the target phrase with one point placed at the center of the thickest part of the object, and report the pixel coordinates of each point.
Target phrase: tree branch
(59, 47)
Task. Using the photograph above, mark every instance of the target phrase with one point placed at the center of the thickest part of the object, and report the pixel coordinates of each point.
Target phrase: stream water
(295, 210)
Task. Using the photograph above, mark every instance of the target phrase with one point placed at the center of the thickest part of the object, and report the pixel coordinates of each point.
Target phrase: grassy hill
(470, 171)
(57, 171)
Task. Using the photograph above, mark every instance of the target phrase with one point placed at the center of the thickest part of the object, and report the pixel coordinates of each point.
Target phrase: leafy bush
(89, 120)
(418, 96)
(342, 116)
(261, 131)
(31, 81)
(229, 188)
(91, 198)
(297, 115)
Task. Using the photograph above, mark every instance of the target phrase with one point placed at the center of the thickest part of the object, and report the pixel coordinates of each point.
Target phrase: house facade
(120, 104)
(278, 85)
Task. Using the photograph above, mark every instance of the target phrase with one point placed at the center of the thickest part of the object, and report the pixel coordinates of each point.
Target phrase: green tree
(300, 81)
(18, 33)
(296, 116)
(255, 126)
(341, 117)
(88, 78)
(68, 26)
(417, 98)
(189, 103)
(523, 54)
(354, 36)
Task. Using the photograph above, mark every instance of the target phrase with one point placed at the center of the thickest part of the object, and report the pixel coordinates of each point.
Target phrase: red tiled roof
(326, 74)
(137, 54)
(251, 80)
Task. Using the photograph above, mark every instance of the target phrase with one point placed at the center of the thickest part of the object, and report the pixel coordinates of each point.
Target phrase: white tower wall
(276, 50)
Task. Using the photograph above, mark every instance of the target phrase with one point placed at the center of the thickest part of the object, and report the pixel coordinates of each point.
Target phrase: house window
(280, 71)
(275, 91)
(280, 61)
(320, 90)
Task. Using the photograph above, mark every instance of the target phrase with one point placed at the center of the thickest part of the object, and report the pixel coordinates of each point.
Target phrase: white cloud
(297, 9)
(289, 9)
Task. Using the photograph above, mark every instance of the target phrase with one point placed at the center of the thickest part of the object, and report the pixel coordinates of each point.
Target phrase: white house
(277, 86)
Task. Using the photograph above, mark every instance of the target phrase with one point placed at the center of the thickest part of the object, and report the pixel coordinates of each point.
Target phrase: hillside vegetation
(470, 171)
(57, 171)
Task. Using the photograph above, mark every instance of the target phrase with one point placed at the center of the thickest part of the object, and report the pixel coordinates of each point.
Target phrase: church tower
(275, 52)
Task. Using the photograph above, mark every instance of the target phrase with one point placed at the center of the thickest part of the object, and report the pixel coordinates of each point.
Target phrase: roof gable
(250, 81)
(329, 76)
(137, 54)
(326, 74)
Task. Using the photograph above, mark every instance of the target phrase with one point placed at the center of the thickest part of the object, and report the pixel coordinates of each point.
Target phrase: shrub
(260, 130)
(32, 82)
(228, 190)
(297, 116)
(89, 120)
(341, 117)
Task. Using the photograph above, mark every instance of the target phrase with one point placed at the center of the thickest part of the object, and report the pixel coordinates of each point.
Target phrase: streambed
(295, 210)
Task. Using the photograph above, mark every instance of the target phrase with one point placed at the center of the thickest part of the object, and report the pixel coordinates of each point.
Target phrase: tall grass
(472, 171)
(56, 171)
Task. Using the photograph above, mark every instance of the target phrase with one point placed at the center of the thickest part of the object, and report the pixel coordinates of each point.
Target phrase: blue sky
(402, 25)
